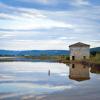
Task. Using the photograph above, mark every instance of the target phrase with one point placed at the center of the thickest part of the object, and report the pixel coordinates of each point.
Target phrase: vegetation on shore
(46, 57)
(94, 58)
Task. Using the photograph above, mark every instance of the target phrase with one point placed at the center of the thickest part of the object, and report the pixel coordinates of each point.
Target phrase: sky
(48, 24)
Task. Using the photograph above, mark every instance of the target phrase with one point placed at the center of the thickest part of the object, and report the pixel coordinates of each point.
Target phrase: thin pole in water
(48, 72)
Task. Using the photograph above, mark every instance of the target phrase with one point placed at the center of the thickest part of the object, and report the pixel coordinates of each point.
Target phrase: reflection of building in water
(79, 51)
(79, 72)
(95, 69)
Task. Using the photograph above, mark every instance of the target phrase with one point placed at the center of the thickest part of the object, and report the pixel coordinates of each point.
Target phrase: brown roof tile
(79, 44)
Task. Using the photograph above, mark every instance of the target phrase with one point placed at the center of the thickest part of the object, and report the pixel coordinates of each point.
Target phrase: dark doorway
(73, 65)
(84, 57)
(73, 57)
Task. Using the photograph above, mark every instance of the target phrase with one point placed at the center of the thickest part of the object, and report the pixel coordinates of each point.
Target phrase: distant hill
(97, 49)
(33, 52)
(39, 52)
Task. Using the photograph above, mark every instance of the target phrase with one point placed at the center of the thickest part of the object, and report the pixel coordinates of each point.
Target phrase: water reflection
(95, 69)
(44, 77)
(32, 77)
(49, 72)
(79, 72)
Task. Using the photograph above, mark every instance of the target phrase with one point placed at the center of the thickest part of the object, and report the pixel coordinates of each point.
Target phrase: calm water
(36, 78)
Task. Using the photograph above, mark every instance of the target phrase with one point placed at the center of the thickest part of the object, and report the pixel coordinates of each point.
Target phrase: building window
(73, 65)
(73, 57)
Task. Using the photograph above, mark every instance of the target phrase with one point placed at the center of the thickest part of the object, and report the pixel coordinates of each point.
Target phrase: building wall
(79, 53)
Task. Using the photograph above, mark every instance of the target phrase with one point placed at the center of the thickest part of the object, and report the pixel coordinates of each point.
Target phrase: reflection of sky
(32, 77)
(34, 67)
(48, 24)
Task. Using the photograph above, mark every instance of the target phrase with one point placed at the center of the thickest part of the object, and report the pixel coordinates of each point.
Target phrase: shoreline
(38, 59)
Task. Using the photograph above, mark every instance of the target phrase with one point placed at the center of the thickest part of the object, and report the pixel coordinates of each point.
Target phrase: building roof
(79, 44)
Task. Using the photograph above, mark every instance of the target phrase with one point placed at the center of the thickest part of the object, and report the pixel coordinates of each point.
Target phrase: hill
(39, 52)
(97, 49)
(33, 52)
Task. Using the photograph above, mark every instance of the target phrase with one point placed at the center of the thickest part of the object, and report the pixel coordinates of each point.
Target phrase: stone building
(79, 72)
(79, 51)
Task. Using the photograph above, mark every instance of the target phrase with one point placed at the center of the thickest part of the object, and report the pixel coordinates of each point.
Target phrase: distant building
(79, 51)
(79, 72)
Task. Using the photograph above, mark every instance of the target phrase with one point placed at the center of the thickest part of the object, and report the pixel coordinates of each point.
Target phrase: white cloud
(66, 27)
(7, 16)
(63, 38)
(23, 23)
(28, 19)
(29, 24)
(34, 45)
(80, 2)
(44, 1)
(42, 44)
(68, 38)
(94, 43)
(7, 36)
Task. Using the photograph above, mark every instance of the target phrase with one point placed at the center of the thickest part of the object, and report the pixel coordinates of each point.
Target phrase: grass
(46, 57)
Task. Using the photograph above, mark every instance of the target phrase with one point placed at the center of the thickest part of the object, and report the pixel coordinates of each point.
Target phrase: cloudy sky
(48, 24)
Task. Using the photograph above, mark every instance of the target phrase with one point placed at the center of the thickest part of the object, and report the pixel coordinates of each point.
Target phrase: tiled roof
(79, 44)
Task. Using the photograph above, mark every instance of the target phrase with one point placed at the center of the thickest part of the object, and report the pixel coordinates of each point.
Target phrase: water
(20, 78)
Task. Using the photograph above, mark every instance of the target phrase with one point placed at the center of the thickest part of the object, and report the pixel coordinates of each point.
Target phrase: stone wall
(79, 53)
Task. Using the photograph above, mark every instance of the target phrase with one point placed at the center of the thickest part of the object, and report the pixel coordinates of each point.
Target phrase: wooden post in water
(49, 72)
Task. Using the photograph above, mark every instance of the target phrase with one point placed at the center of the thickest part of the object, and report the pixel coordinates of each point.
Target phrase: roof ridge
(79, 44)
